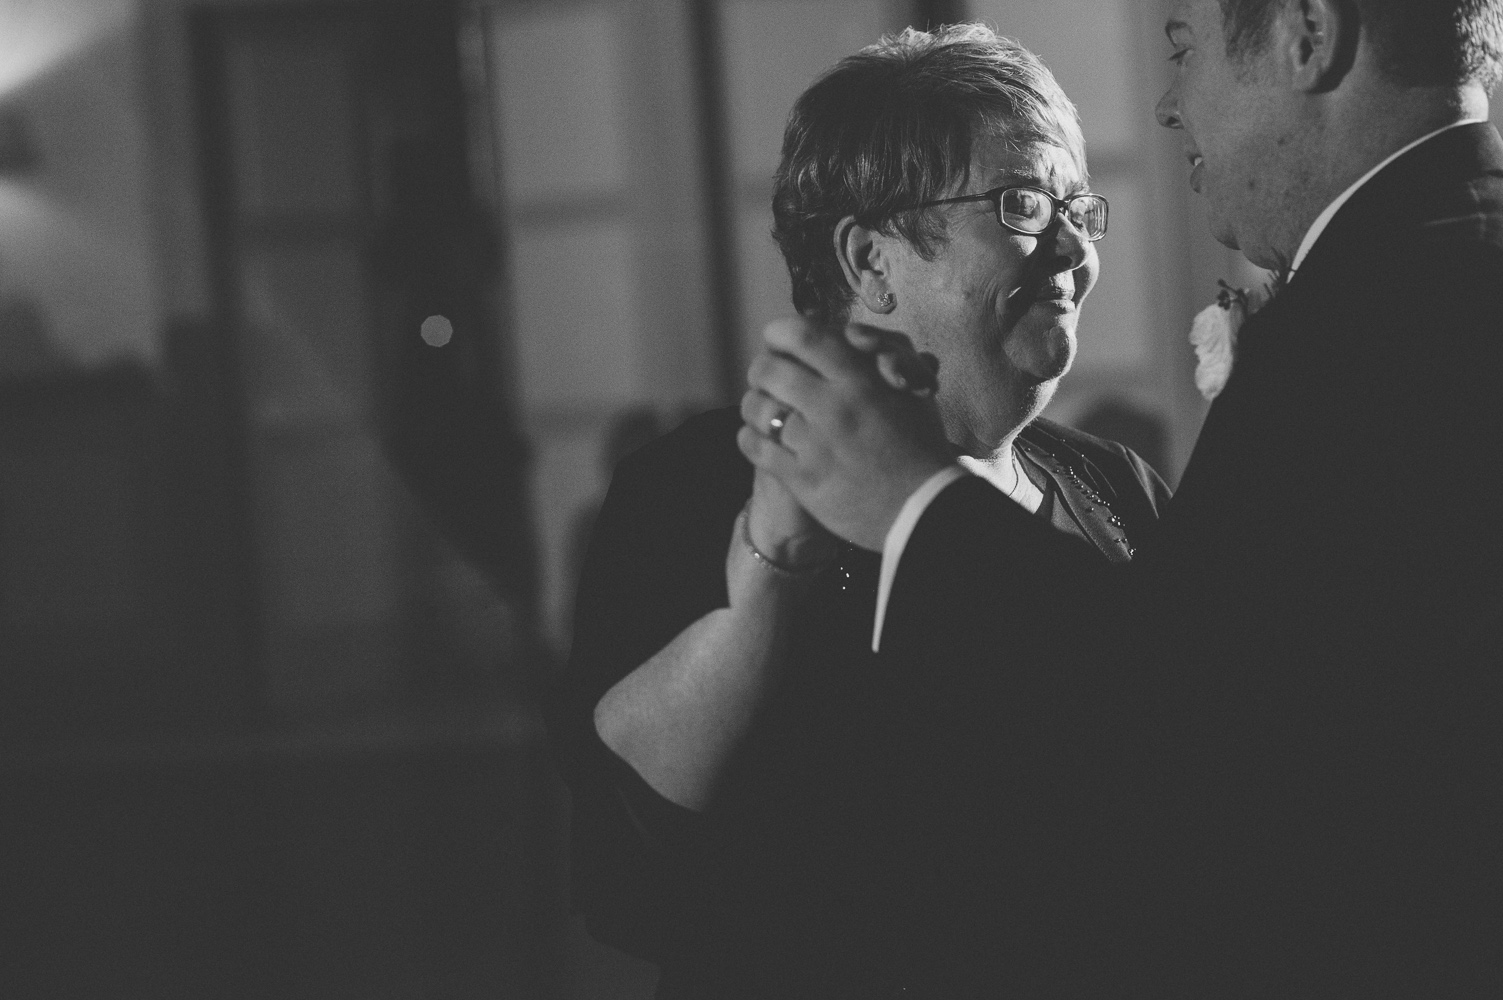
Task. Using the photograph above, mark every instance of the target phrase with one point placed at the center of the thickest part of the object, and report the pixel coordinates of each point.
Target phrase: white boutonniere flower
(1214, 335)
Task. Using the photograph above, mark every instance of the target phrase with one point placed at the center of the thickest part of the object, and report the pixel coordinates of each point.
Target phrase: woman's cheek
(1087, 275)
(1003, 296)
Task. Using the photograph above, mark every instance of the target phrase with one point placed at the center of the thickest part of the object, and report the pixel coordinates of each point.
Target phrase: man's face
(1229, 112)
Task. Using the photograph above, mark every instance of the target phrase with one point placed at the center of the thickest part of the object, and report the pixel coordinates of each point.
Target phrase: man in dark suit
(1282, 772)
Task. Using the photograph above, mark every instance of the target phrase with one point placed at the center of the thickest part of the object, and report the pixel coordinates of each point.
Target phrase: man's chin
(1222, 230)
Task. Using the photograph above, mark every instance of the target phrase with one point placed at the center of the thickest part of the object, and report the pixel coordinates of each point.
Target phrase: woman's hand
(823, 418)
(782, 530)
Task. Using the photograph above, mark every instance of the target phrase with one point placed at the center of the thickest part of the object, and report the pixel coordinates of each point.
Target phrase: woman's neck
(998, 465)
(999, 460)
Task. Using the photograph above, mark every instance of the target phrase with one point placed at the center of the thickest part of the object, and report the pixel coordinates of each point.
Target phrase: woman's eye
(1022, 205)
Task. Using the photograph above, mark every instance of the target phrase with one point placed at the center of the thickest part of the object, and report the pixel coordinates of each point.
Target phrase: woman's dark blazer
(759, 888)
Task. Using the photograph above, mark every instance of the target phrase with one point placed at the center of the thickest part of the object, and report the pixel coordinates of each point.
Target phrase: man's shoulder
(1443, 284)
(1443, 199)
(1416, 253)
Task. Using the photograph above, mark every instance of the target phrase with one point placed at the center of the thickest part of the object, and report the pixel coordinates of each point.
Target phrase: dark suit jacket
(765, 894)
(1296, 789)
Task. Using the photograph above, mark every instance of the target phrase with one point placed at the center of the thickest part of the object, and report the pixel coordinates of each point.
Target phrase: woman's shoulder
(705, 441)
(698, 459)
(1049, 433)
(655, 560)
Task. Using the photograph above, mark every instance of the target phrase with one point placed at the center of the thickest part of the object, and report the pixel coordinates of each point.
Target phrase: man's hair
(1420, 42)
(894, 125)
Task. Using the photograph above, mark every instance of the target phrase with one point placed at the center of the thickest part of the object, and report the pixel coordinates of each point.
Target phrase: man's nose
(1167, 110)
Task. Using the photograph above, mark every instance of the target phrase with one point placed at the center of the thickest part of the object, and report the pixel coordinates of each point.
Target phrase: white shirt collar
(1324, 218)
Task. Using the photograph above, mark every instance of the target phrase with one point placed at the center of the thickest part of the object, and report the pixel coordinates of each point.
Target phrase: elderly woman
(722, 703)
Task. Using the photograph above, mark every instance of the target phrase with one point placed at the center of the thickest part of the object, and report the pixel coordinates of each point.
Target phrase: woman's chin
(1046, 356)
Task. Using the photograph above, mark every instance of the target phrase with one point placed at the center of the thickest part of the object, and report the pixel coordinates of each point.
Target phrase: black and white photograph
(751, 499)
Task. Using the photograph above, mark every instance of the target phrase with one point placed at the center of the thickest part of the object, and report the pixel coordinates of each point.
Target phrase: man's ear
(1321, 39)
(862, 253)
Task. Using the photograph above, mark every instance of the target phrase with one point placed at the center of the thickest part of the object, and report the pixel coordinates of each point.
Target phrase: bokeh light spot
(437, 330)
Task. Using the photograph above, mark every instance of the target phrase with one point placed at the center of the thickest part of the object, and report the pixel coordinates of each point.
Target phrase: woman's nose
(1070, 242)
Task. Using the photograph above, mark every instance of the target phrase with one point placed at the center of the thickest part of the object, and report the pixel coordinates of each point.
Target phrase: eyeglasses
(1032, 211)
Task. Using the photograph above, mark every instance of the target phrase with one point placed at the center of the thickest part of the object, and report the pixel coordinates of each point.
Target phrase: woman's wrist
(799, 556)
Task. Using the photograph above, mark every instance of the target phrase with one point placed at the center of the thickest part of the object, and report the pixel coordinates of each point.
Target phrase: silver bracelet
(744, 523)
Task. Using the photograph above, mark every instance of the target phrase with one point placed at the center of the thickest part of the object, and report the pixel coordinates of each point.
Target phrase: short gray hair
(893, 126)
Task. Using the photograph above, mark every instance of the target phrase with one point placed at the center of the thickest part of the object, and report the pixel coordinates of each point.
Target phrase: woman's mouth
(1197, 170)
(1053, 297)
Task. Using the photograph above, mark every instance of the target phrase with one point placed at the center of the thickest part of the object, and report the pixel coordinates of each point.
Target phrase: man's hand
(851, 447)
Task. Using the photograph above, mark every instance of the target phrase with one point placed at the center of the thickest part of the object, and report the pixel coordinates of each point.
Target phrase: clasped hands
(844, 419)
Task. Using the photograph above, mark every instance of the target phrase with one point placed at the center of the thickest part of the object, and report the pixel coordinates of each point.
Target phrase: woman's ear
(862, 253)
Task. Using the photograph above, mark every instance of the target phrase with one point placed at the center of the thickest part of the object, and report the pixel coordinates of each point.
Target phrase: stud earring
(887, 300)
